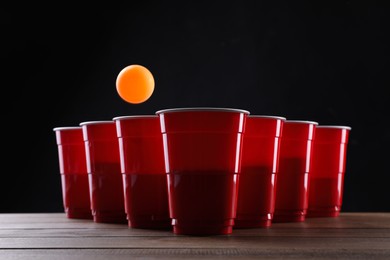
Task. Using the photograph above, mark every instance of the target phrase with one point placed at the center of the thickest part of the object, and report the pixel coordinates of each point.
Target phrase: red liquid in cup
(106, 194)
(325, 197)
(75, 195)
(212, 200)
(292, 202)
(147, 200)
(203, 202)
(256, 204)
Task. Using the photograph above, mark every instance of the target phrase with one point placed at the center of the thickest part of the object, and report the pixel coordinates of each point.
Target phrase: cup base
(323, 212)
(252, 223)
(202, 231)
(109, 217)
(289, 216)
(79, 214)
(202, 228)
(283, 219)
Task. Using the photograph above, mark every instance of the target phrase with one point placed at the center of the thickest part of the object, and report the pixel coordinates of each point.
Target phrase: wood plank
(197, 242)
(210, 253)
(113, 233)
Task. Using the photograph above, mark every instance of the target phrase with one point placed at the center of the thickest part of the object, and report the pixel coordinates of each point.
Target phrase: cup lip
(335, 126)
(133, 117)
(60, 128)
(268, 116)
(302, 122)
(96, 122)
(180, 109)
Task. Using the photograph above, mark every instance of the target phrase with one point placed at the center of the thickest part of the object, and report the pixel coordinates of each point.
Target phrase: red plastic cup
(328, 170)
(202, 149)
(292, 186)
(73, 170)
(259, 167)
(143, 171)
(104, 171)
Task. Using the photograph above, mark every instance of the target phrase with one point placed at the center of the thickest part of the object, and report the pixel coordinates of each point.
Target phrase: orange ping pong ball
(135, 84)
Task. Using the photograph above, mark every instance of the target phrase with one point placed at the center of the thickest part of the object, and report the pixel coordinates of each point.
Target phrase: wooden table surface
(54, 236)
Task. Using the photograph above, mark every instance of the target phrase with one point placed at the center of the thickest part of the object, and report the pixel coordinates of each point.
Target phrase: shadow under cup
(202, 149)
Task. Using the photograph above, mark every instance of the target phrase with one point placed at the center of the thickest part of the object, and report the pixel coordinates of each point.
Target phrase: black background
(315, 60)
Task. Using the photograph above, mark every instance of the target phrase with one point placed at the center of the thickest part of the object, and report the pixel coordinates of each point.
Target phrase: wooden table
(53, 236)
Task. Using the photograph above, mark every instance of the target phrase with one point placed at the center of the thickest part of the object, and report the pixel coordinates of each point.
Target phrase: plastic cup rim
(60, 128)
(133, 117)
(335, 126)
(302, 122)
(223, 109)
(96, 122)
(269, 116)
